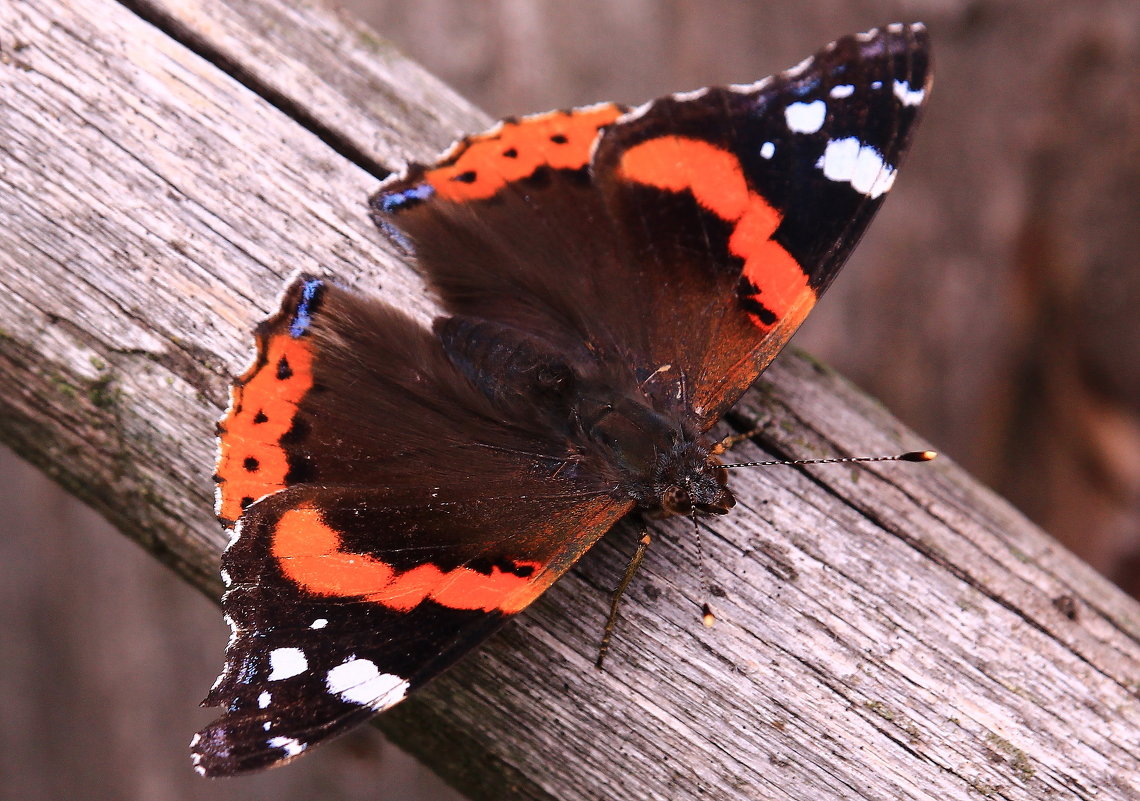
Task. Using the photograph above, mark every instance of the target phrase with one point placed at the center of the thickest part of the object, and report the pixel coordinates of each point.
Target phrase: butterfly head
(687, 482)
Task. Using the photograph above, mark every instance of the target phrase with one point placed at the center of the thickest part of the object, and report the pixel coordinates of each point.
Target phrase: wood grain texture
(887, 632)
(328, 71)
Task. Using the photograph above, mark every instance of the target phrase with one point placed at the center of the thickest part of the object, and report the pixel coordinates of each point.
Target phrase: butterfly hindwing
(510, 227)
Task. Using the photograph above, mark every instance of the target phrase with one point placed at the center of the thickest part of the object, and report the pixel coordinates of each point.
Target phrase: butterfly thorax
(593, 402)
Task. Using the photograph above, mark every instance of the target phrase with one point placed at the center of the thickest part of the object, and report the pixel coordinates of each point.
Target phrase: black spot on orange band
(484, 164)
(284, 371)
(263, 410)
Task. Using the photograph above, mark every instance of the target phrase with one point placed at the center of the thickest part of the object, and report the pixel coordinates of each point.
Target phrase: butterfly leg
(630, 570)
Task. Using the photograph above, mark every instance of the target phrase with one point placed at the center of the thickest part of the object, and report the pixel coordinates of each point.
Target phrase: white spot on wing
(800, 68)
(842, 90)
(234, 631)
(264, 699)
(226, 580)
(696, 94)
(750, 88)
(285, 663)
(767, 150)
(805, 117)
(850, 161)
(908, 96)
(359, 681)
(290, 746)
(633, 114)
(319, 623)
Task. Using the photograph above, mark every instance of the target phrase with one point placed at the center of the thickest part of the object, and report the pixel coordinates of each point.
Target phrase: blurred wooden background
(992, 307)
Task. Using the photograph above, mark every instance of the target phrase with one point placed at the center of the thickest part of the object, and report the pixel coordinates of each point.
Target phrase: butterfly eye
(675, 500)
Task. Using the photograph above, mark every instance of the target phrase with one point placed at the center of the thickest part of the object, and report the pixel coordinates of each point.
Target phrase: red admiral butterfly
(614, 280)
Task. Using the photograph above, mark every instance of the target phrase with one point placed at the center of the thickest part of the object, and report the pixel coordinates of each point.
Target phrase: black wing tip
(909, 42)
(210, 754)
(904, 36)
(233, 748)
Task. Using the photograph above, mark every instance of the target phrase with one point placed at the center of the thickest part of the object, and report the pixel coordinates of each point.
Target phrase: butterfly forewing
(698, 231)
(745, 201)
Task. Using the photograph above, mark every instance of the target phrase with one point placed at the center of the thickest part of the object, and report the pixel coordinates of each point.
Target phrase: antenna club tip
(919, 456)
(707, 616)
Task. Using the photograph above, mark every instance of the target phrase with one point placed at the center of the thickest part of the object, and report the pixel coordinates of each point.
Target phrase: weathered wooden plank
(892, 632)
(327, 70)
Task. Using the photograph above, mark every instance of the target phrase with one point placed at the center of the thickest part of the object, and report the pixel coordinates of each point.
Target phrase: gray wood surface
(887, 632)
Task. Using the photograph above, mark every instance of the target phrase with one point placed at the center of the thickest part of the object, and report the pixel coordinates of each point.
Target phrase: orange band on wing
(263, 403)
(309, 553)
(486, 163)
(716, 180)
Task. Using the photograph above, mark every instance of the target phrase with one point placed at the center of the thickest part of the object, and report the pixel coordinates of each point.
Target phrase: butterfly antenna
(910, 456)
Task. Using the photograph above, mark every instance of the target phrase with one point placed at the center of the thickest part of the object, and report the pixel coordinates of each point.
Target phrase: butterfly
(614, 279)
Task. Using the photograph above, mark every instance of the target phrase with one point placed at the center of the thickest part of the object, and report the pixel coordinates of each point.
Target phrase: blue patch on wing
(806, 89)
(391, 203)
(394, 201)
(304, 315)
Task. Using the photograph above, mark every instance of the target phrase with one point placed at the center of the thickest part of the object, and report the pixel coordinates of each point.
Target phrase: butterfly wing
(767, 189)
(398, 494)
(388, 518)
(690, 236)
